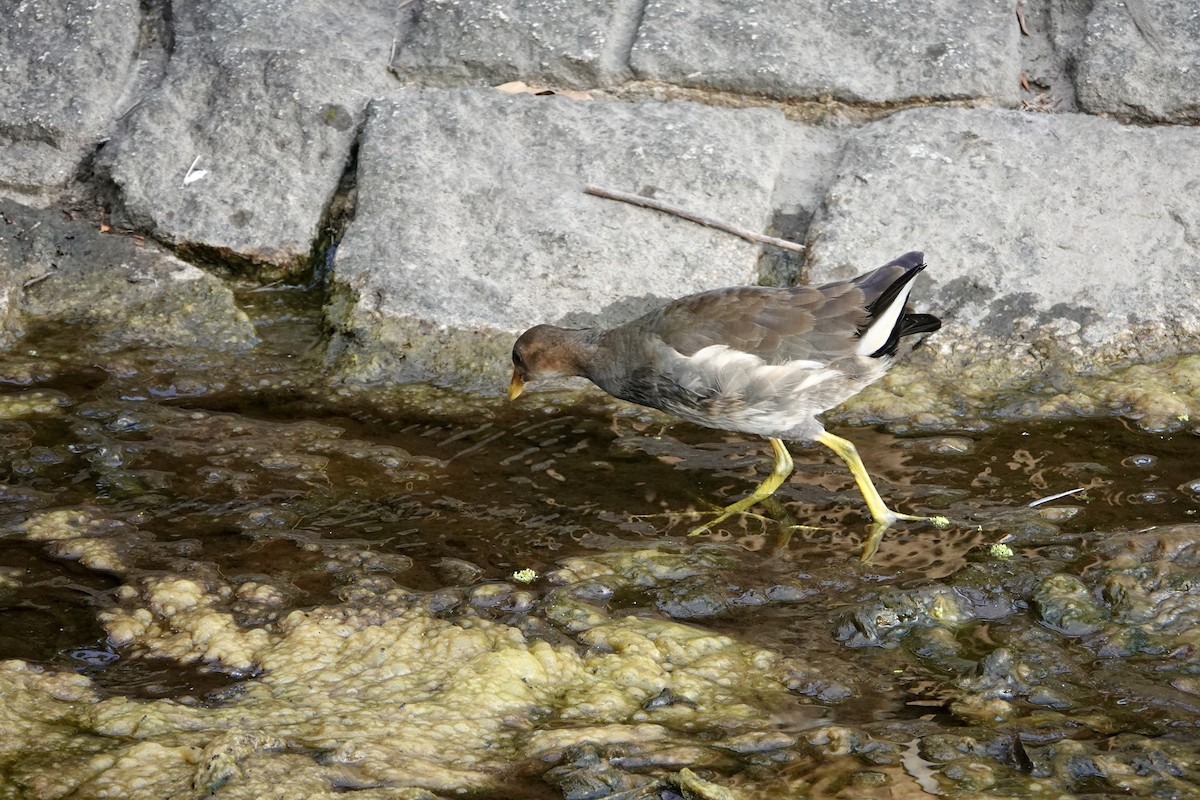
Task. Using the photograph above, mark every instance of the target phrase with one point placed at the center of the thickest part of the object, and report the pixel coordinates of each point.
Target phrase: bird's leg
(783, 467)
(845, 449)
(874, 537)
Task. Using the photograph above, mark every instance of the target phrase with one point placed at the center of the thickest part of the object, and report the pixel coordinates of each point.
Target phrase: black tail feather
(906, 323)
(918, 323)
(912, 263)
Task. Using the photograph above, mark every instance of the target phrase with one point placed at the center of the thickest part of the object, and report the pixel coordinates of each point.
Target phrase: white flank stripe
(813, 379)
(877, 335)
(719, 356)
(802, 364)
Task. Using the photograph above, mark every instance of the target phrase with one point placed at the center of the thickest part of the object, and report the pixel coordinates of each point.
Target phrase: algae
(385, 694)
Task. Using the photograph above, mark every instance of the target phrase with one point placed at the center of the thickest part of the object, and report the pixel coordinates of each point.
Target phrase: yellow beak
(515, 386)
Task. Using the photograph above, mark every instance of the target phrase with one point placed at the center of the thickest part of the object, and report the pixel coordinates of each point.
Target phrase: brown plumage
(751, 359)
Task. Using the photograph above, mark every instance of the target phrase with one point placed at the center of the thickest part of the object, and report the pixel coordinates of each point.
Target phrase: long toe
(722, 514)
(892, 517)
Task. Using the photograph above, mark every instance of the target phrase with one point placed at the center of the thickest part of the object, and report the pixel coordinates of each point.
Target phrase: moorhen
(752, 359)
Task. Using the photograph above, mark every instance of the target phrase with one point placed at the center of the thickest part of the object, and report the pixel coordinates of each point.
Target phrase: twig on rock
(646, 202)
(38, 279)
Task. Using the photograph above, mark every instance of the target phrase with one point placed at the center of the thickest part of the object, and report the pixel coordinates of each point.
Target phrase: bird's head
(546, 351)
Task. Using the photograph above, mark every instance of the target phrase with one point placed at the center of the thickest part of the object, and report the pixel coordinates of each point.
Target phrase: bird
(752, 359)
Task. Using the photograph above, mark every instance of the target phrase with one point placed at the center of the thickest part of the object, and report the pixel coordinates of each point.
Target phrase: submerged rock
(1063, 603)
(892, 616)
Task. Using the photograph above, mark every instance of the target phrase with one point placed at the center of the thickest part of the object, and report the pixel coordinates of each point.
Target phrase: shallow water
(533, 484)
(261, 480)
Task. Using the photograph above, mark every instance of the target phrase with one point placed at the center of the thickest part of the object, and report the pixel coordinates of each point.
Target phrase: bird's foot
(719, 515)
(674, 517)
(776, 514)
(892, 517)
(884, 521)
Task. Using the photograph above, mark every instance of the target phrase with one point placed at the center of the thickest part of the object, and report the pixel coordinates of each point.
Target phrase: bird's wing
(809, 323)
(776, 325)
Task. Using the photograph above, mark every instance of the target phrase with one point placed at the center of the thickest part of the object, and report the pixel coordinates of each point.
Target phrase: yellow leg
(871, 545)
(846, 451)
(783, 468)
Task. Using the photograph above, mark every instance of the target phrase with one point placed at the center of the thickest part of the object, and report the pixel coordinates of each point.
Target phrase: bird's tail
(888, 288)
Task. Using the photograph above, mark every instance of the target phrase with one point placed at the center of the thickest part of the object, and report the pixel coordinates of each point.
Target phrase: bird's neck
(580, 346)
(614, 354)
(590, 341)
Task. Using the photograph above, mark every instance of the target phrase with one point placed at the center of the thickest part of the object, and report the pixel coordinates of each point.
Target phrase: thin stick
(646, 202)
(1058, 496)
(1021, 18)
(37, 280)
